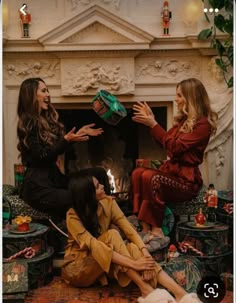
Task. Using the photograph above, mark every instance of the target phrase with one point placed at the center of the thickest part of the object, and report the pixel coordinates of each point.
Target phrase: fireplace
(117, 148)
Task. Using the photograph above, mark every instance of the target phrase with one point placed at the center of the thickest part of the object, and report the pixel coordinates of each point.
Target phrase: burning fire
(111, 181)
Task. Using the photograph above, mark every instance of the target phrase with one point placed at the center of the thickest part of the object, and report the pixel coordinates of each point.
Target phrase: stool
(38, 264)
(57, 236)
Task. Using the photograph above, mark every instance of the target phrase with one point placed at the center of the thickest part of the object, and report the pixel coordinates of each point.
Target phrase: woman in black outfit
(42, 143)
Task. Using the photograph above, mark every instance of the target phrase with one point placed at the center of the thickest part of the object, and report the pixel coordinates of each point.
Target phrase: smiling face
(179, 99)
(42, 96)
(100, 193)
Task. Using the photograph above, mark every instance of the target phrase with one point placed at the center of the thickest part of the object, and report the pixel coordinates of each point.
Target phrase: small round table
(211, 240)
(15, 241)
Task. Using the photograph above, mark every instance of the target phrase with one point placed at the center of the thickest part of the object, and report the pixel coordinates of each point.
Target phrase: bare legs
(144, 287)
(165, 280)
(171, 285)
(122, 255)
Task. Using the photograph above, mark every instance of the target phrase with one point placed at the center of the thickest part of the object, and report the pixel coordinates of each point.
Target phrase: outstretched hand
(71, 136)
(89, 130)
(143, 114)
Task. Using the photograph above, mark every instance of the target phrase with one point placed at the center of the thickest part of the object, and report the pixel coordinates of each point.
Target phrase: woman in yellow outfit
(97, 252)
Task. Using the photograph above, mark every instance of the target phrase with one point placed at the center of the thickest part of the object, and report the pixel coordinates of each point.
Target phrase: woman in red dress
(178, 179)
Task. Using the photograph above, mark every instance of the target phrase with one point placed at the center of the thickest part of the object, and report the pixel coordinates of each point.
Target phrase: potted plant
(221, 19)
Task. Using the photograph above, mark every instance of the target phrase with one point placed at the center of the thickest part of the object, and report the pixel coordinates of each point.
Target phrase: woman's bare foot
(146, 227)
(180, 295)
(146, 290)
(157, 232)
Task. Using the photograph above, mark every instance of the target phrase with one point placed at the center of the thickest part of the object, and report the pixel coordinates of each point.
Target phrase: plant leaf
(217, 3)
(204, 34)
(219, 62)
(230, 54)
(219, 21)
(229, 6)
(230, 83)
(207, 18)
(228, 27)
(219, 47)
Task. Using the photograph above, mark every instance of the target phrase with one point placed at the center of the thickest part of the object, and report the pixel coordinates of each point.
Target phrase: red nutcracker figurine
(166, 16)
(211, 198)
(25, 20)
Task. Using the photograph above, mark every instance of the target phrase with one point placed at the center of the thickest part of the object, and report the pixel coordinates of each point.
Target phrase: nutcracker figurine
(211, 199)
(25, 21)
(172, 252)
(166, 16)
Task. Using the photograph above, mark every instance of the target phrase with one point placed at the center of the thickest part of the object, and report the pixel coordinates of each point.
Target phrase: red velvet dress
(178, 179)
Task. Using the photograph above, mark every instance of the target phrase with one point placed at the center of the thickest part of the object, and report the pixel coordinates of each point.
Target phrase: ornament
(200, 218)
(23, 222)
(172, 252)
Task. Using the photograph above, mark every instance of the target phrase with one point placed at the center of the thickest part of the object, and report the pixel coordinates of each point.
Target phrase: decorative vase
(23, 227)
(200, 218)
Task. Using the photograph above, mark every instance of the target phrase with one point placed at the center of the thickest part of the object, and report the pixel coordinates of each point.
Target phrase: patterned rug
(58, 292)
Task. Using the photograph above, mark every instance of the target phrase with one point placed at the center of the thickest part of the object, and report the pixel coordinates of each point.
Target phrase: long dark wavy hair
(46, 123)
(85, 203)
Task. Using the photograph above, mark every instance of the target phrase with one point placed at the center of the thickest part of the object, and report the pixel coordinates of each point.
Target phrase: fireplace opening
(116, 149)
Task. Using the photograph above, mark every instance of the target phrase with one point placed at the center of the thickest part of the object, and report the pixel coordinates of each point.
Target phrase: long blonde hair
(197, 105)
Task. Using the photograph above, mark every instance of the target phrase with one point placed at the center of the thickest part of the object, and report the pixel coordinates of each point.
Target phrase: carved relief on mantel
(166, 69)
(19, 69)
(96, 31)
(86, 77)
(74, 4)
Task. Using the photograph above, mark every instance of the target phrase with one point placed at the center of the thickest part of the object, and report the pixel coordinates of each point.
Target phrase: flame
(112, 181)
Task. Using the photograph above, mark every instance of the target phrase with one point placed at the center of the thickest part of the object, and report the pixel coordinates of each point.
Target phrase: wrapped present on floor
(148, 163)
(224, 196)
(15, 277)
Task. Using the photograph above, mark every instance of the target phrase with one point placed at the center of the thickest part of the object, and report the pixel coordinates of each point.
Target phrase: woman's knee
(112, 235)
(137, 172)
(148, 174)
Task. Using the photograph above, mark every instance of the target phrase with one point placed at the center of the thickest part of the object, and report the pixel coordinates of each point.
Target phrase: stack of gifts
(148, 163)
(27, 258)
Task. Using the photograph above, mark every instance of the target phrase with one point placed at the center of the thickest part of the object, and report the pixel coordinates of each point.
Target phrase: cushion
(20, 207)
(8, 189)
(186, 271)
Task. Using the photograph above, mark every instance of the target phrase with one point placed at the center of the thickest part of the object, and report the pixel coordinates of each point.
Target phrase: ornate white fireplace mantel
(80, 47)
